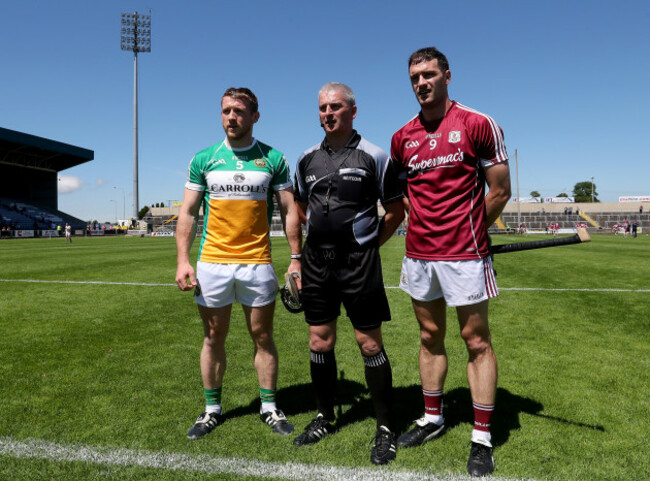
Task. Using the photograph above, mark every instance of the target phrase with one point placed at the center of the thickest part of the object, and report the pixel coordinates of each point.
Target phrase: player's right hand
(185, 277)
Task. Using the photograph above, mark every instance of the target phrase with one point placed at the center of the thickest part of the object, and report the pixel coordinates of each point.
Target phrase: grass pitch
(99, 354)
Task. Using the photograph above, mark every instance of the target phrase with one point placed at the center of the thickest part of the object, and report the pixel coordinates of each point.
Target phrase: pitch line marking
(89, 282)
(569, 290)
(151, 284)
(556, 289)
(59, 452)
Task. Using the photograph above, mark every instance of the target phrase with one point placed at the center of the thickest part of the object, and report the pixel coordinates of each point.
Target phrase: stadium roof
(28, 150)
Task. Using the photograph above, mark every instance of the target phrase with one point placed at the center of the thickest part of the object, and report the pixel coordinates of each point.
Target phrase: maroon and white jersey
(443, 162)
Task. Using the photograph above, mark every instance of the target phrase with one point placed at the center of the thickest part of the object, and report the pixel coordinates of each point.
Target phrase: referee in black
(337, 185)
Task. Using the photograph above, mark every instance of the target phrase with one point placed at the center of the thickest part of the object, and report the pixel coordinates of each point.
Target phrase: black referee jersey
(341, 189)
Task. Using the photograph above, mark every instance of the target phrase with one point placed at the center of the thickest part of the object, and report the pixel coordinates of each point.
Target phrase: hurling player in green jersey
(234, 264)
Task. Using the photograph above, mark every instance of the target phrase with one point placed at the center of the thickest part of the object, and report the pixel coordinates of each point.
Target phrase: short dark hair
(242, 93)
(429, 53)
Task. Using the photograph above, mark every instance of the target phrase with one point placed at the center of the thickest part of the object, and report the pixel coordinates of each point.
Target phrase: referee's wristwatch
(296, 256)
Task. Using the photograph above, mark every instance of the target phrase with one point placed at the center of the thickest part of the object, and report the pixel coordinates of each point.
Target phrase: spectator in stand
(641, 209)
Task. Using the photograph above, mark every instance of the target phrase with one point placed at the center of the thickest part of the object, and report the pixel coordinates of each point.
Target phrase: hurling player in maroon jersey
(447, 155)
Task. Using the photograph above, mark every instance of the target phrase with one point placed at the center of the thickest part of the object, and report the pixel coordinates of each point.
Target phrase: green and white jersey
(238, 187)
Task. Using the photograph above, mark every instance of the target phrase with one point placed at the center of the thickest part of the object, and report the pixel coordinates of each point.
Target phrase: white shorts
(219, 285)
(461, 283)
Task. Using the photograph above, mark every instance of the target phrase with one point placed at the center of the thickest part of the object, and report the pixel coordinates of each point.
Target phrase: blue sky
(567, 81)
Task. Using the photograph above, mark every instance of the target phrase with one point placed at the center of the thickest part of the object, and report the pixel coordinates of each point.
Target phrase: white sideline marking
(387, 287)
(57, 452)
(556, 289)
(89, 282)
(569, 290)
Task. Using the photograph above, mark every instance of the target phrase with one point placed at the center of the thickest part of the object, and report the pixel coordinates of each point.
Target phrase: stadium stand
(163, 219)
(29, 167)
(598, 217)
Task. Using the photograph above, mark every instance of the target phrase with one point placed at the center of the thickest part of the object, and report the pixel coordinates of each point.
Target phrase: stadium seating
(540, 221)
(22, 216)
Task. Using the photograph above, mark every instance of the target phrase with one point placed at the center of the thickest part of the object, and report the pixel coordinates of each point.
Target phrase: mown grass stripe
(58, 452)
(387, 287)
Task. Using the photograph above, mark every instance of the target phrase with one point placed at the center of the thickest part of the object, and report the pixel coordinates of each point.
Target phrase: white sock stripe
(322, 357)
(376, 360)
(432, 393)
(484, 407)
(317, 357)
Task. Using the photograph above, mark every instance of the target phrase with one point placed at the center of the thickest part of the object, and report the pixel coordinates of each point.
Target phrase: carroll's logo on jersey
(239, 178)
(261, 163)
(454, 136)
(410, 145)
(237, 189)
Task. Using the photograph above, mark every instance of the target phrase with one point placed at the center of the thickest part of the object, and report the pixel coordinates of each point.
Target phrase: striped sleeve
(488, 138)
(195, 178)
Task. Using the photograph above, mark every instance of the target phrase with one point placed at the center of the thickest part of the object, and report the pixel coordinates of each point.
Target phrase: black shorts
(352, 277)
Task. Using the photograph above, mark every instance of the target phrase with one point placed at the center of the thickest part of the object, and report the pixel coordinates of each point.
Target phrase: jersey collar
(351, 144)
(239, 149)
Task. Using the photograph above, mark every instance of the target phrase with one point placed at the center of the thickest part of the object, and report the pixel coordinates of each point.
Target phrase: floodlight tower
(136, 37)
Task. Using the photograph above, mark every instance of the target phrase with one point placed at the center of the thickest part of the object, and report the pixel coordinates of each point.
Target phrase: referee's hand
(296, 266)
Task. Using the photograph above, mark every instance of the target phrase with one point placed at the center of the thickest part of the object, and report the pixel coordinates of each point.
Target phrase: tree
(143, 212)
(582, 192)
(162, 204)
(535, 194)
(562, 194)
